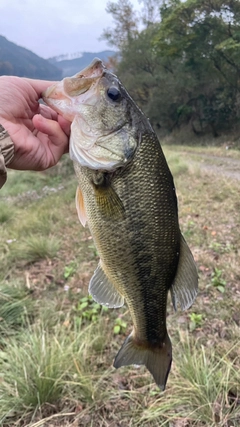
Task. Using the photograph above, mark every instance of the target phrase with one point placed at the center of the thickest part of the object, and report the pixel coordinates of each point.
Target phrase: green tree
(183, 66)
(203, 37)
(125, 24)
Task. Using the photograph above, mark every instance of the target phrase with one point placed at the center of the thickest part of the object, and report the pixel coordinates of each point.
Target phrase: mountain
(72, 64)
(18, 61)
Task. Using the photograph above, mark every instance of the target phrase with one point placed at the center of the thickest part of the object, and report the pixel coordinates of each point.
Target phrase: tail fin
(156, 359)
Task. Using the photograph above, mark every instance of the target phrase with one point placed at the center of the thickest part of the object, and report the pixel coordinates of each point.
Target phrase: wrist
(6, 145)
(6, 153)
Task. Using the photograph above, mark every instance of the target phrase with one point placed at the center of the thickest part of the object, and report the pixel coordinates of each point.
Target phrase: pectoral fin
(80, 207)
(185, 286)
(109, 203)
(102, 290)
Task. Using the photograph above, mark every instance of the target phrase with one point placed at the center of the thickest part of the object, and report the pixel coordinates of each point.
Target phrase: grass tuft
(35, 247)
(6, 213)
(15, 308)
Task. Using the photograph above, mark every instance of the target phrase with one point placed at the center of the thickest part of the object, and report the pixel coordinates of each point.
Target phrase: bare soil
(225, 166)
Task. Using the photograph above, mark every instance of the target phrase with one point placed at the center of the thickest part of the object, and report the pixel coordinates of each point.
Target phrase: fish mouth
(75, 98)
(70, 88)
(95, 69)
(76, 85)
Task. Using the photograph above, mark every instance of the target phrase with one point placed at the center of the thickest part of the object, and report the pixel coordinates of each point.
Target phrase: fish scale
(127, 197)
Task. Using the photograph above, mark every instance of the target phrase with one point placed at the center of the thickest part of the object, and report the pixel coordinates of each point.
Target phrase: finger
(40, 85)
(65, 125)
(47, 112)
(54, 131)
(39, 123)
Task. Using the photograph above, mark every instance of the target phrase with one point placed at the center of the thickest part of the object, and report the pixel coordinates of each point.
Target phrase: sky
(54, 27)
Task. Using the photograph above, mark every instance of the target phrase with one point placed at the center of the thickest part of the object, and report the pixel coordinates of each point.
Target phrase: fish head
(105, 120)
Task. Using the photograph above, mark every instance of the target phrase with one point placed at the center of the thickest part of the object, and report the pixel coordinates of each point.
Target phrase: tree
(125, 24)
(203, 36)
(183, 66)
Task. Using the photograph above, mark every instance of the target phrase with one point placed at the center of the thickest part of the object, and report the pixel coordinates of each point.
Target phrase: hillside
(18, 61)
(72, 66)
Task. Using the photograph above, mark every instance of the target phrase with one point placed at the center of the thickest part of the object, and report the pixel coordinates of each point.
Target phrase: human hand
(39, 134)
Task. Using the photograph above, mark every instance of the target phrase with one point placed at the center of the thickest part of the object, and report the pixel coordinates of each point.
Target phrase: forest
(180, 61)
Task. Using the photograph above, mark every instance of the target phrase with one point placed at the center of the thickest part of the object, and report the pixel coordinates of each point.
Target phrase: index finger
(40, 85)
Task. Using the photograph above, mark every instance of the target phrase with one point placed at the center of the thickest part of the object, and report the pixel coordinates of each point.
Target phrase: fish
(126, 195)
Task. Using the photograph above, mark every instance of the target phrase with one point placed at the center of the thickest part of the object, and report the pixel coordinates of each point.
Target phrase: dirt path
(225, 166)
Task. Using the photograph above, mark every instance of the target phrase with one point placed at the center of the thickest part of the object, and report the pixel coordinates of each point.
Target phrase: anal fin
(102, 290)
(185, 286)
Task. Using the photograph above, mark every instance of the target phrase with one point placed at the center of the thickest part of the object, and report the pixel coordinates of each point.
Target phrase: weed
(217, 280)
(196, 321)
(70, 270)
(220, 248)
(119, 326)
(88, 310)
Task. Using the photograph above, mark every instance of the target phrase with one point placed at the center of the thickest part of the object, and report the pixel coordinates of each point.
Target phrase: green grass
(42, 366)
(6, 213)
(35, 247)
(16, 308)
(57, 345)
(204, 391)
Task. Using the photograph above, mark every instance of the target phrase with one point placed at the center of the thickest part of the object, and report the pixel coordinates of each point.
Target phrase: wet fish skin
(131, 210)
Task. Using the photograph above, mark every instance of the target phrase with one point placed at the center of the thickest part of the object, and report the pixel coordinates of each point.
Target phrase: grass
(57, 344)
(35, 247)
(16, 307)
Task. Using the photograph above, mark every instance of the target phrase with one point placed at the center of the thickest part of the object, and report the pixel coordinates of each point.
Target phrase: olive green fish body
(126, 195)
(139, 250)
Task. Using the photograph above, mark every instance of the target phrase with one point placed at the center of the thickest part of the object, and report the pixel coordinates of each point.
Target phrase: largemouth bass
(126, 194)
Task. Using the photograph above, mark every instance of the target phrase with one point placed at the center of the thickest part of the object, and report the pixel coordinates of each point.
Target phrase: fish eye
(113, 93)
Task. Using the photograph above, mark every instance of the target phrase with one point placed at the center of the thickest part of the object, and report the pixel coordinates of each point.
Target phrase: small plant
(196, 321)
(221, 248)
(216, 247)
(89, 310)
(119, 326)
(217, 281)
(70, 270)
